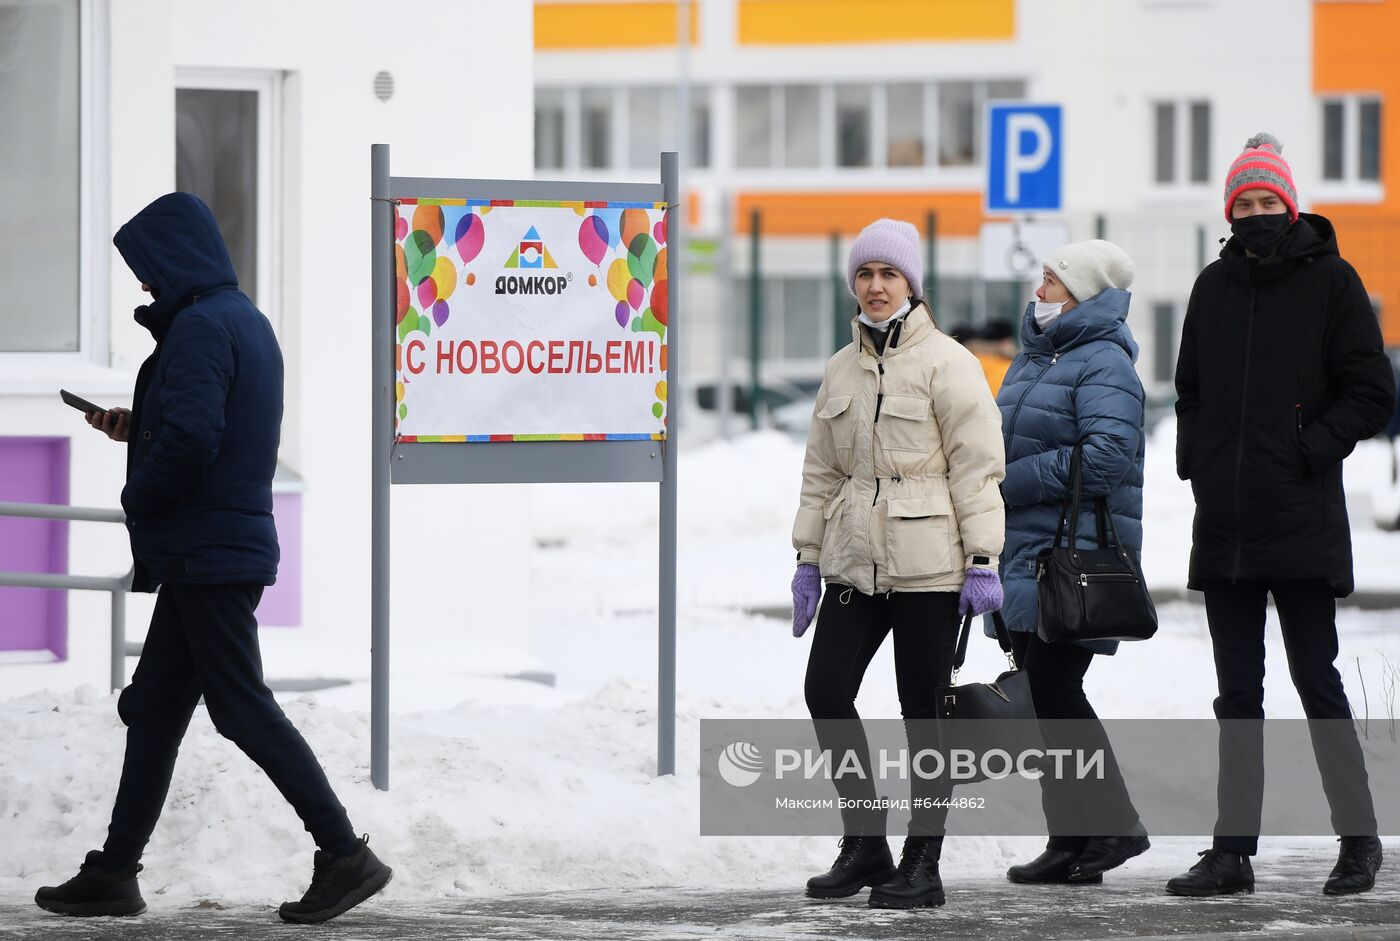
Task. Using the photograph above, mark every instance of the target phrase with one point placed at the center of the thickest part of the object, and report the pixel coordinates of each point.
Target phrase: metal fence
(117, 585)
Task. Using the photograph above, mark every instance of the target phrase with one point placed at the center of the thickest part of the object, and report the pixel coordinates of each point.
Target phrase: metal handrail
(117, 585)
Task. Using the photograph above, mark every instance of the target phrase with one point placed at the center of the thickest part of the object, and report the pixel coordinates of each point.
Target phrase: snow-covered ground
(503, 785)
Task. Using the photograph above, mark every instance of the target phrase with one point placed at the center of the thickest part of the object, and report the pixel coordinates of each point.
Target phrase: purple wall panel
(34, 470)
(281, 604)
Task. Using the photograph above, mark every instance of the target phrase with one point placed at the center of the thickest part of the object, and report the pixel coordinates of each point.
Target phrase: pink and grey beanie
(1261, 166)
(893, 242)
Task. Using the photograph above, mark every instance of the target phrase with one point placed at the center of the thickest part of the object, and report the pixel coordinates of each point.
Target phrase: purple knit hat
(895, 243)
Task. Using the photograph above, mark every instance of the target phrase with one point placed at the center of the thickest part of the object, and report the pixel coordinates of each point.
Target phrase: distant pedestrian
(900, 513)
(1073, 385)
(202, 443)
(1281, 373)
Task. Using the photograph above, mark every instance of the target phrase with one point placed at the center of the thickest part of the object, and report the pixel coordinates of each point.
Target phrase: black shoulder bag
(1090, 594)
(1001, 712)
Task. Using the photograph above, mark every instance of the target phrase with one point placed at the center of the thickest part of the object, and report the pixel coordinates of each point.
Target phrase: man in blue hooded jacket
(202, 441)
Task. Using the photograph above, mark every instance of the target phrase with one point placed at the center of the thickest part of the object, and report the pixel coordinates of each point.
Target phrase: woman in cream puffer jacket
(901, 514)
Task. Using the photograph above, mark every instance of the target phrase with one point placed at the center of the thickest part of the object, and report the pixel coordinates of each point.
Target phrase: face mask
(1047, 313)
(883, 325)
(1261, 234)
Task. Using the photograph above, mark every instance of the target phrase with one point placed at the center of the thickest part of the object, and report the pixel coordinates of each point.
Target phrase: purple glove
(806, 592)
(981, 592)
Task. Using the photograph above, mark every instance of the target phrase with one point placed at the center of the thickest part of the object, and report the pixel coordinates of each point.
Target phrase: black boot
(863, 861)
(1356, 867)
(915, 882)
(1103, 853)
(338, 884)
(1218, 873)
(1051, 866)
(95, 891)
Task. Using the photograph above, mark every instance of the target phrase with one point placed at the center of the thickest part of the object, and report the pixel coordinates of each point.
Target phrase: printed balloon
(469, 237)
(641, 258)
(660, 292)
(445, 277)
(593, 239)
(635, 222)
(618, 276)
(623, 312)
(429, 219)
(635, 293)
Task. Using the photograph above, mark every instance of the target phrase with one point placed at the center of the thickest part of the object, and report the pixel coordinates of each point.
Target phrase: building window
(904, 126)
(1181, 138)
(1164, 334)
(650, 122)
(753, 106)
(853, 107)
(596, 128)
(549, 129)
(802, 120)
(228, 153)
(1351, 140)
(40, 176)
(957, 124)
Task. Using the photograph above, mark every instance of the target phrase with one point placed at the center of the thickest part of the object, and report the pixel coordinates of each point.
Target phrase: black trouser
(1056, 675)
(204, 640)
(1307, 612)
(849, 630)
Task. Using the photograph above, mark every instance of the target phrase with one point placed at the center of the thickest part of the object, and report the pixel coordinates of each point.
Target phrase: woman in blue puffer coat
(1073, 383)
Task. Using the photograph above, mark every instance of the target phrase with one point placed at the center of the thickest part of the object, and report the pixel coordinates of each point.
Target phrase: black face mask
(1262, 233)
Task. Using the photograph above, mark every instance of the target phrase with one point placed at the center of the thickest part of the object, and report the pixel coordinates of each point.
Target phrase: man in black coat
(1281, 373)
(202, 443)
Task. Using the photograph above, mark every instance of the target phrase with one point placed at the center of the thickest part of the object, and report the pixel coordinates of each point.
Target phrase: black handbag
(1006, 697)
(1090, 594)
(980, 717)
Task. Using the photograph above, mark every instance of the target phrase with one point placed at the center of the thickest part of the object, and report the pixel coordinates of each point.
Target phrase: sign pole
(666, 569)
(381, 433)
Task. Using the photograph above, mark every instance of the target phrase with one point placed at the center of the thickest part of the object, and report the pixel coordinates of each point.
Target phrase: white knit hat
(1087, 268)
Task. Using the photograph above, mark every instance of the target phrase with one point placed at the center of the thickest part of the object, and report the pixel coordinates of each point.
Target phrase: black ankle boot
(338, 884)
(95, 891)
(1051, 866)
(1103, 853)
(915, 882)
(1356, 868)
(863, 861)
(1218, 873)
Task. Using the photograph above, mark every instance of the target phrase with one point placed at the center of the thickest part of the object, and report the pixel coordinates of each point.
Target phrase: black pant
(1307, 613)
(850, 629)
(204, 640)
(1072, 808)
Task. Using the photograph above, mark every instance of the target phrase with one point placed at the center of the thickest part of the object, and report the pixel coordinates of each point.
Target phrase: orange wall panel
(843, 22)
(618, 24)
(822, 213)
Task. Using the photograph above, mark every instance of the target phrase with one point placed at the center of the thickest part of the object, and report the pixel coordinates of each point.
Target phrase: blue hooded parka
(207, 410)
(1073, 383)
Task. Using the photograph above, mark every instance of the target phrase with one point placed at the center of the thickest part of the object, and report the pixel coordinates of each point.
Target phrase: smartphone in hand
(81, 404)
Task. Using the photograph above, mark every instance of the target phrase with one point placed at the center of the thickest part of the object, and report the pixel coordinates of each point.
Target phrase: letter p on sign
(1024, 148)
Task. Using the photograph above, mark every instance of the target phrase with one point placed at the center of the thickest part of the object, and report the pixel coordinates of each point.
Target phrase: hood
(174, 245)
(1101, 317)
(1312, 235)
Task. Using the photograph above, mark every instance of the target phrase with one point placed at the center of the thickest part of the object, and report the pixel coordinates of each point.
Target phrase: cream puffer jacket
(900, 488)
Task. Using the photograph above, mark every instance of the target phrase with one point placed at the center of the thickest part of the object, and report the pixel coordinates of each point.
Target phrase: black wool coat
(1282, 371)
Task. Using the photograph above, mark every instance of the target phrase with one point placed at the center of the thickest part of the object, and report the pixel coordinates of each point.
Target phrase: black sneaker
(95, 891)
(338, 884)
(1356, 867)
(916, 883)
(862, 861)
(1218, 873)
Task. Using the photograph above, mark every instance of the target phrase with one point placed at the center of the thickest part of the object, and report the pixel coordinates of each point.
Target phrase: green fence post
(931, 263)
(755, 317)
(1100, 227)
(840, 309)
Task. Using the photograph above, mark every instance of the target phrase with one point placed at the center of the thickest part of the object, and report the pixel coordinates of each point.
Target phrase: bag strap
(1003, 639)
(1070, 508)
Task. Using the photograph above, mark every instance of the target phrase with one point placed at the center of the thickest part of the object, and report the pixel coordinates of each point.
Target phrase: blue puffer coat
(1073, 383)
(207, 411)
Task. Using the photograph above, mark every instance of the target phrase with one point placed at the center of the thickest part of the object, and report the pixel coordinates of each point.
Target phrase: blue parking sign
(1024, 148)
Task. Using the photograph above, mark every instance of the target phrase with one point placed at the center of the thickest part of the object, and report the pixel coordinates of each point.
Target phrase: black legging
(850, 629)
(1074, 810)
